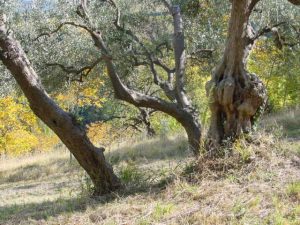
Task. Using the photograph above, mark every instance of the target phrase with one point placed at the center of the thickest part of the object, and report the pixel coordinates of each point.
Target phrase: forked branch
(82, 72)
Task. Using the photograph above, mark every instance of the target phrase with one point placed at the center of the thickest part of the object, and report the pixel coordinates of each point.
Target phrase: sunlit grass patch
(293, 190)
(161, 210)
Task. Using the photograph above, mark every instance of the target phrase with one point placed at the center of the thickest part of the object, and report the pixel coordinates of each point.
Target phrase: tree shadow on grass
(17, 213)
(154, 149)
(37, 211)
(23, 213)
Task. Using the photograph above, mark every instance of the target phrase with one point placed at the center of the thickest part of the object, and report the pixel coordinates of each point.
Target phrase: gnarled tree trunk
(237, 97)
(89, 157)
(180, 107)
(176, 102)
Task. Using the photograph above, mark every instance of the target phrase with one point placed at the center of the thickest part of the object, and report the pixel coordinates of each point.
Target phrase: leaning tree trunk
(89, 157)
(176, 102)
(181, 108)
(237, 97)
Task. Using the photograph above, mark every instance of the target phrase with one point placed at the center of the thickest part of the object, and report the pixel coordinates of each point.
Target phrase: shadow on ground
(17, 213)
(47, 179)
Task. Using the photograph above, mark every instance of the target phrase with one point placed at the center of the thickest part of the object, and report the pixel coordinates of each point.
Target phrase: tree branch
(295, 2)
(164, 85)
(252, 5)
(122, 92)
(60, 26)
(82, 11)
(180, 57)
(159, 63)
(72, 70)
(266, 29)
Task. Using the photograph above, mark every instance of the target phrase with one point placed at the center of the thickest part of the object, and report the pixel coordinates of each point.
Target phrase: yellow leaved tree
(20, 130)
(16, 128)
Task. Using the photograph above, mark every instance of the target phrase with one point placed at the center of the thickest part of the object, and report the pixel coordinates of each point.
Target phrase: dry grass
(288, 122)
(254, 183)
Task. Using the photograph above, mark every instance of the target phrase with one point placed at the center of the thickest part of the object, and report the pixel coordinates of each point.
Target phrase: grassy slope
(257, 184)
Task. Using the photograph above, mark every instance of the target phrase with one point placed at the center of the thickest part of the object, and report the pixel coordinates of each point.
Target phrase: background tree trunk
(237, 96)
(181, 107)
(89, 157)
(145, 118)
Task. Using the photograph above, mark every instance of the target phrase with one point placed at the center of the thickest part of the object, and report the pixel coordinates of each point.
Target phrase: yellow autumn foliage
(20, 130)
(20, 141)
(102, 134)
(81, 94)
(279, 69)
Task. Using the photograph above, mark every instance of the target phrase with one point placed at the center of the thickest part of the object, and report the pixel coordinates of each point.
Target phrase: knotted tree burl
(237, 97)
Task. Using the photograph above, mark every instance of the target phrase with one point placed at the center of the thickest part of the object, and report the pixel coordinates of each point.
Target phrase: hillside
(251, 184)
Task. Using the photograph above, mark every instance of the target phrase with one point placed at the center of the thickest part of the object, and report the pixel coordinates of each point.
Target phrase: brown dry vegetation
(256, 183)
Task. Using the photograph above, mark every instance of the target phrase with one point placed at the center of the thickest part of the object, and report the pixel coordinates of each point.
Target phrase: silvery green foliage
(268, 13)
(7, 84)
(205, 28)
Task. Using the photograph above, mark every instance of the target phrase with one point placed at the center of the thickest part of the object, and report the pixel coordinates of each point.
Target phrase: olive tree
(172, 98)
(237, 97)
(62, 123)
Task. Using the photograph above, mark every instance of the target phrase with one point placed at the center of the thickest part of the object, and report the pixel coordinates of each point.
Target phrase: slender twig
(84, 71)
(60, 26)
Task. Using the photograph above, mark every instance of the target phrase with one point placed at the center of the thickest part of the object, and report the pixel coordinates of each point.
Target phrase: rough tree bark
(295, 2)
(237, 97)
(89, 157)
(145, 118)
(179, 106)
